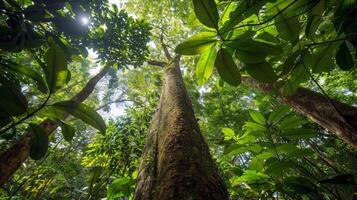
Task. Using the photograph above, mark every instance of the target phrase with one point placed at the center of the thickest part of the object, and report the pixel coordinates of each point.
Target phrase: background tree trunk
(319, 109)
(176, 163)
(12, 159)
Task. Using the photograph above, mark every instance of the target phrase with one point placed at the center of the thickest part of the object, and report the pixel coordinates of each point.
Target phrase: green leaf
(251, 177)
(344, 58)
(244, 10)
(38, 143)
(257, 117)
(207, 12)
(197, 44)
(291, 122)
(228, 133)
(226, 68)
(287, 25)
(28, 72)
(55, 67)
(254, 126)
(83, 112)
(321, 60)
(314, 18)
(299, 133)
(252, 51)
(278, 113)
(67, 131)
(120, 187)
(205, 65)
(12, 101)
(262, 72)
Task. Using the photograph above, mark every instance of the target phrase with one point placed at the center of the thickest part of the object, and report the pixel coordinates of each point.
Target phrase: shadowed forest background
(178, 99)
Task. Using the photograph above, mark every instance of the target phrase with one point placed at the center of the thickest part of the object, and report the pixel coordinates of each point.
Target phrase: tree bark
(176, 163)
(12, 159)
(319, 109)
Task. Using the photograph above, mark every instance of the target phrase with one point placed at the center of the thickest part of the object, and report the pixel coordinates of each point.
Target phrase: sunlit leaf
(83, 112)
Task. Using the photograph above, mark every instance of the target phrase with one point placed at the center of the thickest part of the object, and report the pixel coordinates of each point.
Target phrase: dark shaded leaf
(67, 131)
(226, 68)
(344, 58)
(262, 72)
(38, 142)
(206, 12)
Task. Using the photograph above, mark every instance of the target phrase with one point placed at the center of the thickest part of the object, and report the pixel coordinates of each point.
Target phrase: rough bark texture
(176, 163)
(319, 109)
(12, 159)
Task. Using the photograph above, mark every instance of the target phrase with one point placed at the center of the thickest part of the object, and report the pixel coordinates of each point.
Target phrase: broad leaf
(321, 60)
(278, 113)
(228, 133)
(291, 122)
(207, 12)
(197, 44)
(227, 68)
(83, 112)
(38, 142)
(257, 117)
(12, 101)
(67, 131)
(262, 72)
(55, 66)
(121, 187)
(205, 65)
(314, 19)
(28, 72)
(344, 58)
(252, 51)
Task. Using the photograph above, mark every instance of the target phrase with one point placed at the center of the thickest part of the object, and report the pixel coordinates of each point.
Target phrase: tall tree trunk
(176, 163)
(12, 159)
(319, 109)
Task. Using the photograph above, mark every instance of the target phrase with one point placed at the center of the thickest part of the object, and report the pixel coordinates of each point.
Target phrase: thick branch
(12, 159)
(318, 108)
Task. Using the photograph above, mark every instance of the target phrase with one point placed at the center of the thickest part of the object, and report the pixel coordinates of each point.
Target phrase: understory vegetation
(87, 106)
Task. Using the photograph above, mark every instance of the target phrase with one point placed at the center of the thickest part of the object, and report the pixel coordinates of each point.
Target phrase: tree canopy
(272, 83)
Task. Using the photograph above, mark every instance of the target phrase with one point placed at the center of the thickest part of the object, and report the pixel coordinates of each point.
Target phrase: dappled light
(178, 100)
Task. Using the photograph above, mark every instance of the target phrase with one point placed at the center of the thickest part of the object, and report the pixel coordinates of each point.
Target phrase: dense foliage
(264, 149)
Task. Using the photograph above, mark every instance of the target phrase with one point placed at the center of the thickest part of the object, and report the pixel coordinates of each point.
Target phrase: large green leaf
(344, 58)
(226, 67)
(257, 117)
(207, 12)
(291, 122)
(55, 66)
(228, 133)
(83, 112)
(28, 72)
(244, 10)
(205, 65)
(38, 142)
(321, 60)
(286, 22)
(314, 18)
(12, 101)
(278, 113)
(121, 187)
(67, 131)
(262, 72)
(197, 44)
(251, 51)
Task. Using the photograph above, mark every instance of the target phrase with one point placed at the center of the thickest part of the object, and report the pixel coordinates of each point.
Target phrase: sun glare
(84, 20)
